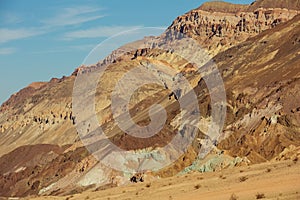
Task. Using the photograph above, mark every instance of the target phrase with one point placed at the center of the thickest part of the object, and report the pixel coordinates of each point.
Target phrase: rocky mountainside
(219, 25)
(38, 115)
(256, 49)
(262, 92)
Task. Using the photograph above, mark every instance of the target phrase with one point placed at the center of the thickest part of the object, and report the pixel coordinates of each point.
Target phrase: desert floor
(276, 180)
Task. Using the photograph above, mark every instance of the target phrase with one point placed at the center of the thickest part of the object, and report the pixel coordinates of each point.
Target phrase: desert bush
(260, 196)
(233, 197)
(243, 179)
(222, 176)
(197, 187)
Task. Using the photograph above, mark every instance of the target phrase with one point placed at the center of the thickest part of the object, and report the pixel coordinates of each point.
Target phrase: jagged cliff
(219, 25)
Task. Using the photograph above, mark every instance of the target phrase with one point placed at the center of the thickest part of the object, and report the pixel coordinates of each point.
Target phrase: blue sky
(44, 39)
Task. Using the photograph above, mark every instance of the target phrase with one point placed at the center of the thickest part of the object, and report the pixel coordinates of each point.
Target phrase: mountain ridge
(221, 6)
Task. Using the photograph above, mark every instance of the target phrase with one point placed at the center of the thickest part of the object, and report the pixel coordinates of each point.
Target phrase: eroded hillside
(257, 53)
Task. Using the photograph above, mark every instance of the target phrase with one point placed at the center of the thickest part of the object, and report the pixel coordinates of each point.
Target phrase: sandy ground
(278, 180)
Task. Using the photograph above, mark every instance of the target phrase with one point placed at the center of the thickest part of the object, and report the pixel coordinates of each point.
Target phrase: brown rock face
(218, 25)
(262, 117)
(20, 168)
(41, 166)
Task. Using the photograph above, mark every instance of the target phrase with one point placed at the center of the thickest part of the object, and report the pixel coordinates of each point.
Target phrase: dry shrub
(233, 197)
(197, 187)
(260, 196)
(243, 179)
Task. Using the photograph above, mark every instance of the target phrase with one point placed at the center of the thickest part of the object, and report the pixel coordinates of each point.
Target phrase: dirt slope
(264, 181)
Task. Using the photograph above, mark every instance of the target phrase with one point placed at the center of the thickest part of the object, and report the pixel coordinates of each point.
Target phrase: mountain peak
(221, 6)
(37, 85)
(288, 4)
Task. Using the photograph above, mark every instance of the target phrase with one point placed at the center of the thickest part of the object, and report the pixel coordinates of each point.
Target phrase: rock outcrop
(219, 25)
